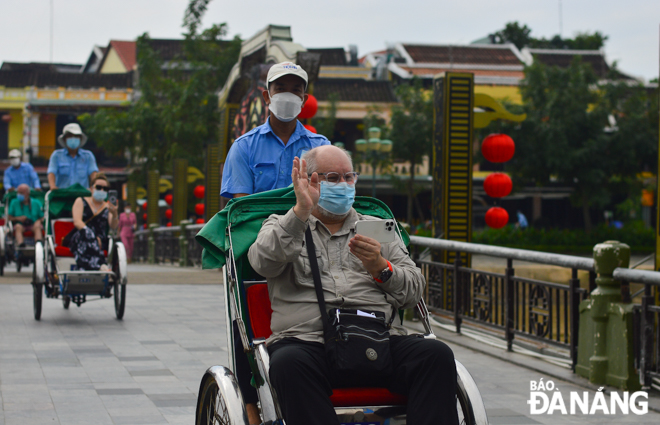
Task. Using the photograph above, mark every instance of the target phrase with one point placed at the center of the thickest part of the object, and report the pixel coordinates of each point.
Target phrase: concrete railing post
(605, 346)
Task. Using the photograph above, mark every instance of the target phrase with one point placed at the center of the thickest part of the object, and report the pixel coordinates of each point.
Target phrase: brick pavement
(82, 366)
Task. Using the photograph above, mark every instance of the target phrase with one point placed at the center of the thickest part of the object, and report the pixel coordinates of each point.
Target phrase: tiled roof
(126, 52)
(331, 56)
(484, 72)
(40, 66)
(354, 90)
(563, 59)
(462, 54)
(64, 79)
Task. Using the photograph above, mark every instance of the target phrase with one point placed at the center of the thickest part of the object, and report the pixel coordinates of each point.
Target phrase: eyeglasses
(100, 187)
(333, 178)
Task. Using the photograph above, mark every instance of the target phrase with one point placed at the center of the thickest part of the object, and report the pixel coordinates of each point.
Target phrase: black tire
(19, 263)
(464, 406)
(66, 301)
(38, 294)
(120, 300)
(2, 265)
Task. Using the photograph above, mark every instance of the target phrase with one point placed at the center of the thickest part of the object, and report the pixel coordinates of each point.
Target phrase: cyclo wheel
(219, 401)
(119, 285)
(66, 301)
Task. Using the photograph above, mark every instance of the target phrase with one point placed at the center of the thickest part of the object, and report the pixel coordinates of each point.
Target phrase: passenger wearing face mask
(26, 214)
(92, 216)
(71, 164)
(20, 173)
(261, 159)
(355, 272)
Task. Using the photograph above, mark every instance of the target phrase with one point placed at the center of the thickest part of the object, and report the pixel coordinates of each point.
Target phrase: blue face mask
(73, 142)
(20, 197)
(100, 195)
(337, 198)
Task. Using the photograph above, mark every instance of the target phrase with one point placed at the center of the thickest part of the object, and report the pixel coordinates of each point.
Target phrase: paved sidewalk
(82, 366)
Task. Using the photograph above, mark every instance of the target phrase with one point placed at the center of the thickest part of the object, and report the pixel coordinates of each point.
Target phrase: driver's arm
(51, 181)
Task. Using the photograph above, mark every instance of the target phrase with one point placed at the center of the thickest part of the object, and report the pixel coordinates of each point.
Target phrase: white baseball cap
(285, 68)
(72, 128)
(14, 153)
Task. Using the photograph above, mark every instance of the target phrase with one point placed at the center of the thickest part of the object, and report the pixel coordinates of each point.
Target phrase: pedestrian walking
(127, 225)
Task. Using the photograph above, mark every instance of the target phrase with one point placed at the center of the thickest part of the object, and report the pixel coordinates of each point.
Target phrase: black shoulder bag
(356, 341)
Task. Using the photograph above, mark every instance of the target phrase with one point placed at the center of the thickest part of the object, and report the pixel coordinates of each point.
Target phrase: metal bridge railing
(646, 323)
(538, 310)
(174, 244)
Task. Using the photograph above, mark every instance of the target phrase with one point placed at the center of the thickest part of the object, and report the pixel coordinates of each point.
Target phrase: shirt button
(261, 172)
(336, 277)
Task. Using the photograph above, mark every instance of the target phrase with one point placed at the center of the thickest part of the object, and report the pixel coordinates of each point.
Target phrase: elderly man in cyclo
(26, 214)
(357, 274)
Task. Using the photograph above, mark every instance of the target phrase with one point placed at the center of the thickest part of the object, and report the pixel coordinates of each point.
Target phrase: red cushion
(259, 310)
(2, 221)
(60, 229)
(346, 397)
(28, 233)
(61, 251)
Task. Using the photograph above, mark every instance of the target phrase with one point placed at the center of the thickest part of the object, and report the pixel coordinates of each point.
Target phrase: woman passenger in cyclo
(92, 216)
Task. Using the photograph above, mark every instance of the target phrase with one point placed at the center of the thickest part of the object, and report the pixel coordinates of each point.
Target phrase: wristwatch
(385, 274)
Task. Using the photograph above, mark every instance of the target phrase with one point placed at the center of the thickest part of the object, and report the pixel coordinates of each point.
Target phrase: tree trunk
(411, 182)
(586, 214)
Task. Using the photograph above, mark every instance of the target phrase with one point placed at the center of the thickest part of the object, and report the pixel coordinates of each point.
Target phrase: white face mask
(15, 162)
(285, 106)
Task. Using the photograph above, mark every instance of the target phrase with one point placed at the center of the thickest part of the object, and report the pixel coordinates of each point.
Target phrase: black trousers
(424, 371)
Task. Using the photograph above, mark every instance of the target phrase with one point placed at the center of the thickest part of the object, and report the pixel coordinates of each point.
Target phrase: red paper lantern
(144, 206)
(199, 209)
(168, 213)
(309, 109)
(169, 198)
(144, 226)
(199, 191)
(498, 148)
(498, 185)
(169, 224)
(144, 217)
(200, 221)
(497, 217)
(310, 128)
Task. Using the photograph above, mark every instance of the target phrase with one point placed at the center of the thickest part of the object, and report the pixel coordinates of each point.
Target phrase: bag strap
(309, 241)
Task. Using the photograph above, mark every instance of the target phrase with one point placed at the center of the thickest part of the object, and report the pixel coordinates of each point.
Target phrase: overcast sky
(633, 26)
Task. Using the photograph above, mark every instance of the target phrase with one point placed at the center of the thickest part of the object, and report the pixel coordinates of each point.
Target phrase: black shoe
(22, 245)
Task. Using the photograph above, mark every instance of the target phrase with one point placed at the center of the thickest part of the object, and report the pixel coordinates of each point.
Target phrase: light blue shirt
(69, 171)
(260, 161)
(23, 174)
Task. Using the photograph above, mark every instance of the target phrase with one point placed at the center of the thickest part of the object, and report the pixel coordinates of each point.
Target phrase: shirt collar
(297, 133)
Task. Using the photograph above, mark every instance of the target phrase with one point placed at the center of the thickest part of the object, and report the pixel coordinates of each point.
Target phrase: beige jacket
(280, 256)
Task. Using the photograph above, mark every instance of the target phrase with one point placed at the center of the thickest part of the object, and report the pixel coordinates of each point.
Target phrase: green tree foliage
(412, 130)
(325, 124)
(175, 111)
(595, 137)
(521, 36)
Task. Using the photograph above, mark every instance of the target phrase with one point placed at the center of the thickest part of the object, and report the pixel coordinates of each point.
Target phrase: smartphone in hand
(384, 231)
(112, 197)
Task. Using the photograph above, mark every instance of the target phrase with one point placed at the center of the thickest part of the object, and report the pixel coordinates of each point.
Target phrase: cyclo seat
(259, 312)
